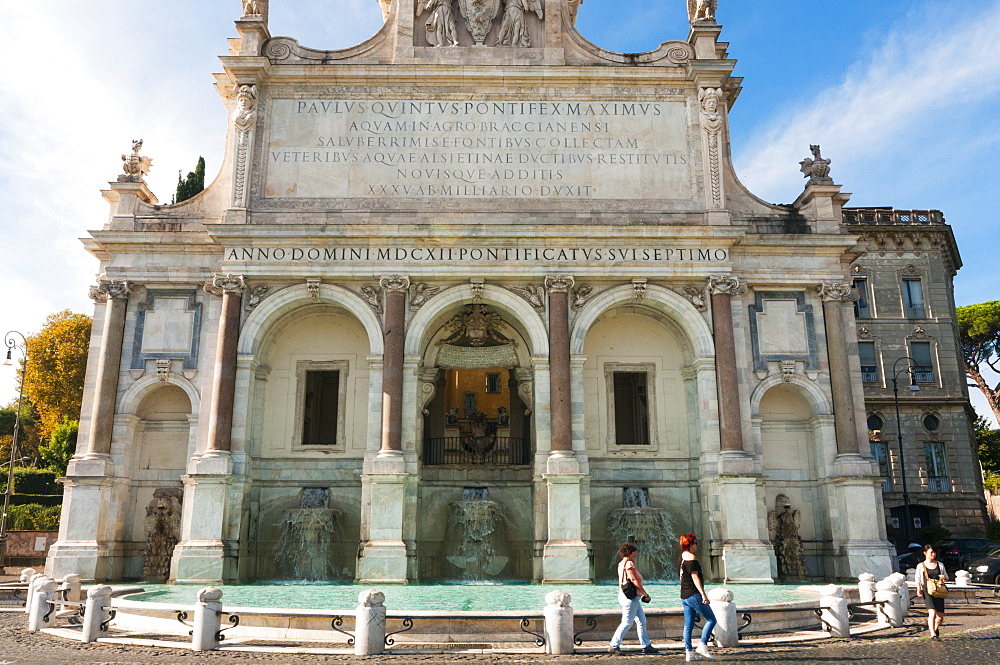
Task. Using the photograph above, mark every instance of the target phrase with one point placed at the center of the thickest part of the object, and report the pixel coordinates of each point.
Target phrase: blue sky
(903, 96)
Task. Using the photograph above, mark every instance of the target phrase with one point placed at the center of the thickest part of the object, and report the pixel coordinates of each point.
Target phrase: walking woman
(694, 599)
(631, 607)
(931, 569)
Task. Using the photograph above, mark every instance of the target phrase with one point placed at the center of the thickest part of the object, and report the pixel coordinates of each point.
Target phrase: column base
(748, 562)
(202, 562)
(88, 560)
(383, 562)
(566, 562)
(860, 556)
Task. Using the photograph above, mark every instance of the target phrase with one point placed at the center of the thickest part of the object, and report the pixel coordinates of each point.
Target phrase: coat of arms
(479, 15)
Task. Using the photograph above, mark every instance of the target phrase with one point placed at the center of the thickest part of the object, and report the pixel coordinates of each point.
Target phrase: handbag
(628, 586)
(937, 588)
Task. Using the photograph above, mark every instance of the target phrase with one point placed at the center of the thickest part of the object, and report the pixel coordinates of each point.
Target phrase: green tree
(62, 445)
(57, 365)
(28, 438)
(193, 184)
(979, 329)
(988, 447)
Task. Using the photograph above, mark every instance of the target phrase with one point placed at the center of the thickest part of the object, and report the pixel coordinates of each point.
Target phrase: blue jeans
(631, 612)
(692, 606)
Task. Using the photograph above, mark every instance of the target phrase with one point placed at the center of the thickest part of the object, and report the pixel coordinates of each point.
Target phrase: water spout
(652, 531)
(476, 533)
(308, 538)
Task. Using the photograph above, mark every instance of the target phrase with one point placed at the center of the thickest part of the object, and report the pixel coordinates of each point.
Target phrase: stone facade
(474, 198)
(907, 309)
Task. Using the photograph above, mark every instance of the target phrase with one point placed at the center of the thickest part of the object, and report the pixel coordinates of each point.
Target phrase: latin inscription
(490, 255)
(435, 149)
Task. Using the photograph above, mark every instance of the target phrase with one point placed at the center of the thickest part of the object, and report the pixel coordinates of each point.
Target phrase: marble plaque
(782, 328)
(426, 149)
(169, 327)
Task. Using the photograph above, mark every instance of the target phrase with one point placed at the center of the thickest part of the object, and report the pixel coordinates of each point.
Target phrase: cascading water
(650, 529)
(308, 535)
(476, 532)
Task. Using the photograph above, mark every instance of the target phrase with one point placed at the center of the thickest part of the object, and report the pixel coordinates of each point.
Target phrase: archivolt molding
(287, 300)
(673, 305)
(422, 326)
(818, 400)
(148, 384)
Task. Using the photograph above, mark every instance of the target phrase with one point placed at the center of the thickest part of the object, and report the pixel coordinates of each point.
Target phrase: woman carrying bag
(631, 595)
(930, 579)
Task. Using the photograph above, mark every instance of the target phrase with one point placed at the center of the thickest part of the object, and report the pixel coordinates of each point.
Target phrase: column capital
(838, 291)
(394, 283)
(110, 289)
(729, 285)
(559, 283)
(227, 283)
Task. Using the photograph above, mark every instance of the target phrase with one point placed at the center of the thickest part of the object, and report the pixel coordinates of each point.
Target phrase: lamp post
(908, 531)
(11, 341)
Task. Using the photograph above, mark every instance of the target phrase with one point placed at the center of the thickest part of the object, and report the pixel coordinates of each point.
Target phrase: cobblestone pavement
(970, 636)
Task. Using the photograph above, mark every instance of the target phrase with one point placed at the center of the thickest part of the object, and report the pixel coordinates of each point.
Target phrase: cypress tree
(193, 184)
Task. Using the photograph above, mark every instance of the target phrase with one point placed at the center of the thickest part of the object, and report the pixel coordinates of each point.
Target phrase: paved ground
(970, 636)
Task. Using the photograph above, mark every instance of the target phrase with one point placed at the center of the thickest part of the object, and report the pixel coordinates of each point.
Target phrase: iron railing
(869, 374)
(490, 449)
(891, 216)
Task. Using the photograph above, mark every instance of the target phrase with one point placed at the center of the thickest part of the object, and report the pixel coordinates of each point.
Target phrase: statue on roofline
(513, 31)
(440, 27)
(816, 169)
(702, 10)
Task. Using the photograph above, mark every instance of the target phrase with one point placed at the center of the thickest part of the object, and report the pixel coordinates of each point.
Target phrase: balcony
(890, 216)
(472, 450)
(938, 484)
(869, 374)
(923, 375)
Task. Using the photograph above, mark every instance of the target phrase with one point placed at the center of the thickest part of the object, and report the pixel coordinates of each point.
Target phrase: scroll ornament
(727, 285)
(838, 291)
(112, 289)
(559, 283)
(393, 283)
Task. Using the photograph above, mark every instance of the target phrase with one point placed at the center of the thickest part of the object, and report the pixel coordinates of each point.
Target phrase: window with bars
(631, 409)
(913, 298)
(880, 451)
(493, 382)
(869, 363)
(923, 365)
(937, 467)
(862, 306)
(321, 408)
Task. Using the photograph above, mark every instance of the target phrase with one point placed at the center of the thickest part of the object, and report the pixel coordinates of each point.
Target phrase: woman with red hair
(694, 599)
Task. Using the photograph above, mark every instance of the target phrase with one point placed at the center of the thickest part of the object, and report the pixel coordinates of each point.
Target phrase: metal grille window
(923, 366)
(493, 382)
(869, 364)
(913, 298)
(631, 409)
(319, 419)
(862, 308)
(880, 451)
(937, 467)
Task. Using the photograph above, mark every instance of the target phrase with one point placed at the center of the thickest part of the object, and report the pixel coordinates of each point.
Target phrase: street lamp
(11, 341)
(908, 531)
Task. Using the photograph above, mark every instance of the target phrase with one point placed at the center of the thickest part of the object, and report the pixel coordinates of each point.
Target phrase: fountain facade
(476, 533)
(309, 534)
(650, 529)
(163, 523)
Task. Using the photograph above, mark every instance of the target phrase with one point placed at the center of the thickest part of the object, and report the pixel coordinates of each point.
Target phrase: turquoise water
(459, 597)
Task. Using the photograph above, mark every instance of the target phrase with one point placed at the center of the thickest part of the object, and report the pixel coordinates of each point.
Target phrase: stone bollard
(96, 612)
(369, 624)
(901, 583)
(866, 587)
(26, 574)
(726, 632)
(911, 574)
(833, 608)
(45, 590)
(207, 622)
(72, 584)
(891, 613)
(31, 591)
(558, 623)
(963, 578)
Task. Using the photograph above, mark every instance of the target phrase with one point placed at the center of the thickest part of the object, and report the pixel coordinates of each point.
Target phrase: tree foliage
(193, 184)
(62, 445)
(988, 447)
(28, 438)
(979, 329)
(57, 365)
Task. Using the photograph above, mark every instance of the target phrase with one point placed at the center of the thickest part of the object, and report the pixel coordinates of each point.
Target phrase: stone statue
(574, 6)
(451, 418)
(246, 107)
(702, 10)
(503, 419)
(135, 167)
(163, 523)
(783, 523)
(440, 26)
(255, 8)
(386, 5)
(513, 31)
(816, 169)
(479, 15)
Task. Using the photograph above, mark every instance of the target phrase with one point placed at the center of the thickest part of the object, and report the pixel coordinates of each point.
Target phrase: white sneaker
(691, 656)
(702, 650)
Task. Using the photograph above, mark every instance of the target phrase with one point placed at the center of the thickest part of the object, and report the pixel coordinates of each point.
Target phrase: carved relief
(787, 370)
(227, 284)
(479, 15)
(513, 31)
(910, 271)
(711, 121)
(639, 286)
(702, 10)
(393, 283)
(244, 119)
(477, 288)
(373, 296)
(841, 291)
(726, 284)
(475, 325)
(134, 166)
(255, 9)
(865, 334)
(257, 295)
(162, 369)
(312, 286)
(696, 296)
(440, 26)
(919, 333)
(420, 293)
(816, 169)
(580, 296)
(535, 295)
(559, 283)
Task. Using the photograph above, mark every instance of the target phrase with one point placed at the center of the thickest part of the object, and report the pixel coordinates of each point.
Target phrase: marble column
(560, 404)
(115, 294)
(220, 424)
(834, 295)
(723, 288)
(392, 370)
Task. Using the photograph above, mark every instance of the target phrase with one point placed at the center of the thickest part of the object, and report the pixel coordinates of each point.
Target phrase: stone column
(115, 293)
(220, 424)
(560, 404)
(723, 288)
(834, 295)
(392, 369)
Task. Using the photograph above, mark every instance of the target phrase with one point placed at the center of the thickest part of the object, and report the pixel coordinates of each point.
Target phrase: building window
(631, 409)
(321, 408)
(869, 364)
(862, 307)
(931, 422)
(923, 366)
(937, 467)
(913, 298)
(875, 422)
(493, 382)
(880, 451)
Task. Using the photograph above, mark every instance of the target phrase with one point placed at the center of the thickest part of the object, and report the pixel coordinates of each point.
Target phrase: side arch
(673, 305)
(138, 391)
(289, 299)
(818, 400)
